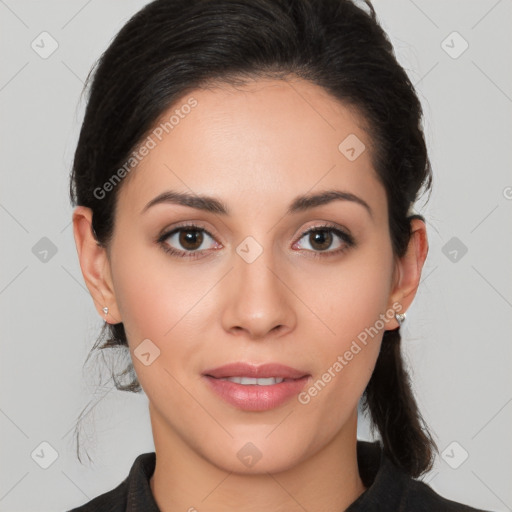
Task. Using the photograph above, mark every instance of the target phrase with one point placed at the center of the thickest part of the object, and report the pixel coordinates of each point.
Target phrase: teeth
(250, 381)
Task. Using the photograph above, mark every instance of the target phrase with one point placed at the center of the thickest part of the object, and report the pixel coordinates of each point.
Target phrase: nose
(259, 304)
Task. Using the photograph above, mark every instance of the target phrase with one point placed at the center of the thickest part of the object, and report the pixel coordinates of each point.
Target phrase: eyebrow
(213, 205)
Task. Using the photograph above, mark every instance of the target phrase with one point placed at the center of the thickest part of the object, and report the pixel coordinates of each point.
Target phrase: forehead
(264, 142)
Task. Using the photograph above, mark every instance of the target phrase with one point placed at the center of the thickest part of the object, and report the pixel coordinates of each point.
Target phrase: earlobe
(95, 265)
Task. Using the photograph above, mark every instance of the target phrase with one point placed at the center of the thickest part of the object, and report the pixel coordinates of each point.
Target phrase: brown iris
(323, 239)
(191, 239)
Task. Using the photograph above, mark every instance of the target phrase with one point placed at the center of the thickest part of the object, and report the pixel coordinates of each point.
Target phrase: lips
(255, 388)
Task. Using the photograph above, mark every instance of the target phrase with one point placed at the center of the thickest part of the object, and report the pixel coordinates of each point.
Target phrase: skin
(255, 148)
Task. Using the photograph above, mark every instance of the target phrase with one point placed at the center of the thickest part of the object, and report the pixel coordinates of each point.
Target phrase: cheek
(154, 296)
(353, 295)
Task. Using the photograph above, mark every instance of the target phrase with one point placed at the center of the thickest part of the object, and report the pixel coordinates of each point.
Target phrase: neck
(328, 481)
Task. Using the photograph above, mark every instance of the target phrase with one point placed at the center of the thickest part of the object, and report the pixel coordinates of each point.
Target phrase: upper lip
(240, 369)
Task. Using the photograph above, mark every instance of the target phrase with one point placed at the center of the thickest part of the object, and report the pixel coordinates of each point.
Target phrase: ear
(408, 269)
(95, 265)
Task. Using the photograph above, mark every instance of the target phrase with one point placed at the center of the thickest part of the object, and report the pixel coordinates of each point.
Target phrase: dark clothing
(388, 489)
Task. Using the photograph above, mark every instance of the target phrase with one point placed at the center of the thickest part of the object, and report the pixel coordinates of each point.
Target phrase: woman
(244, 181)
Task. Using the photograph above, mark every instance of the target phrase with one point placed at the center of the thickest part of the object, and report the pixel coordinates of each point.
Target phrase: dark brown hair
(172, 47)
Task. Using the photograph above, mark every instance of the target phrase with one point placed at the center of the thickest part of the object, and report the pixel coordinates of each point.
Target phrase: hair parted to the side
(170, 48)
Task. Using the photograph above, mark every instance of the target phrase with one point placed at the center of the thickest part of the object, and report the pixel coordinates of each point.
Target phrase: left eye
(321, 239)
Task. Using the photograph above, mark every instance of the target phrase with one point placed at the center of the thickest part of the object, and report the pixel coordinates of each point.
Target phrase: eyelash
(345, 237)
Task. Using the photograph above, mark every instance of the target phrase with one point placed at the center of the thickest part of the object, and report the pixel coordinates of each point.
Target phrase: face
(259, 278)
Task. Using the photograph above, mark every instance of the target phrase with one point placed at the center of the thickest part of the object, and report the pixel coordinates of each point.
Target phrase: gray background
(457, 336)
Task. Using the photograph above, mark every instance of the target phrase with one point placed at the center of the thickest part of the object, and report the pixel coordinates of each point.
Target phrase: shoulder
(419, 497)
(389, 488)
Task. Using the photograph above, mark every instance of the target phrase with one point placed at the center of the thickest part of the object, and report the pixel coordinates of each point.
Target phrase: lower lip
(253, 397)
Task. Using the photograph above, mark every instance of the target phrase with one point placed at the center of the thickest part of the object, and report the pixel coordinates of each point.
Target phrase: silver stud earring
(400, 317)
(105, 311)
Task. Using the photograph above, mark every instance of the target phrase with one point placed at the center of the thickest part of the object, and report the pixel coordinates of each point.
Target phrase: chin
(256, 454)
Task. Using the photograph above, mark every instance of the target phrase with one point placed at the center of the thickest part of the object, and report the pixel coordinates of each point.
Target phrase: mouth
(255, 388)
(251, 381)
